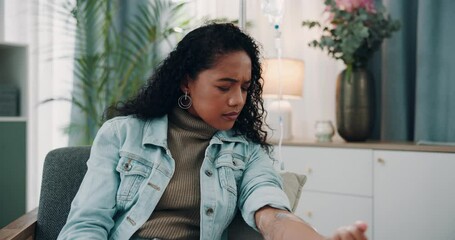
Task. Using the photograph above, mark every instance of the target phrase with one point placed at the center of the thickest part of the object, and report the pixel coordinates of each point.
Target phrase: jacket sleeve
(261, 185)
(93, 208)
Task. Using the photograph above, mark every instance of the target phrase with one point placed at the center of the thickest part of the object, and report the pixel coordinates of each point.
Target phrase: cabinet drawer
(414, 195)
(336, 170)
(327, 211)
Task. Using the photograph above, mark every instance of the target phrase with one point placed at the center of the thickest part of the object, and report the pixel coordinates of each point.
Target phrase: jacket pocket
(230, 170)
(133, 173)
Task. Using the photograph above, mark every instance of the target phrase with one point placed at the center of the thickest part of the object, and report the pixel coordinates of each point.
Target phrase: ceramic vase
(355, 105)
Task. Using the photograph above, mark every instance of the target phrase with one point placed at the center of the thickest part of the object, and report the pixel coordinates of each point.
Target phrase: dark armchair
(63, 172)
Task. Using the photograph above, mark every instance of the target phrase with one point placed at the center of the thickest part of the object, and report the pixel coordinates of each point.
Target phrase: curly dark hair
(197, 51)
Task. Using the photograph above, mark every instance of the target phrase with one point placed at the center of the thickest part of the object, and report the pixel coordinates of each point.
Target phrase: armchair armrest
(22, 228)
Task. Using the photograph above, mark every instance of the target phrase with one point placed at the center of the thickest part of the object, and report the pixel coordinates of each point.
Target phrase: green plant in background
(225, 20)
(115, 55)
(355, 30)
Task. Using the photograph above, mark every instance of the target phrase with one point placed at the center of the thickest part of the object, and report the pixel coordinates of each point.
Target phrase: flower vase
(355, 104)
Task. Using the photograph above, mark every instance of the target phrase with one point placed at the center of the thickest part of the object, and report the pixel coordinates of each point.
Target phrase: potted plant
(112, 59)
(354, 30)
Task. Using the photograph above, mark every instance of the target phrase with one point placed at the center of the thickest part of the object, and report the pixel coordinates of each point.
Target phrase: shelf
(377, 145)
(13, 119)
(11, 45)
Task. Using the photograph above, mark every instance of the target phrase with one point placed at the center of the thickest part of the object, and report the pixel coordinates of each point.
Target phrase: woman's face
(219, 93)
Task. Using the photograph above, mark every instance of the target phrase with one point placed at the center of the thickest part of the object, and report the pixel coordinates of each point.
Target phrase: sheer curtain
(52, 50)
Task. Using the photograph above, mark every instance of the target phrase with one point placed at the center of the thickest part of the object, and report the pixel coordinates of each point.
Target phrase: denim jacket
(130, 166)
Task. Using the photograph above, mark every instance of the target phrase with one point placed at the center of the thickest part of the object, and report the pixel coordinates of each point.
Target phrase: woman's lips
(232, 116)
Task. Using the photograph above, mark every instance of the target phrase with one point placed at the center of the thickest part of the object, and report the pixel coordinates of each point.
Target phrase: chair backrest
(63, 171)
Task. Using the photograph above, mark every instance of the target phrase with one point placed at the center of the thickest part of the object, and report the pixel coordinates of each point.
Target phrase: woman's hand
(355, 231)
(276, 224)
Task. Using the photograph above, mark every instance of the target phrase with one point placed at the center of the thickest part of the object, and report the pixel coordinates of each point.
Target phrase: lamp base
(279, 109)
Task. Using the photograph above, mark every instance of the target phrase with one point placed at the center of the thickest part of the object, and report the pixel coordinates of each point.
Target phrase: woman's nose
(236, 98)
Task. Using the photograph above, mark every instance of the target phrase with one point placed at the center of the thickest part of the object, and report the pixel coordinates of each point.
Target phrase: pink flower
(368, 5)
(351, 5)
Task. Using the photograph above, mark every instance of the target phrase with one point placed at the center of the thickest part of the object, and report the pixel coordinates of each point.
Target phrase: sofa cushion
(293, 183)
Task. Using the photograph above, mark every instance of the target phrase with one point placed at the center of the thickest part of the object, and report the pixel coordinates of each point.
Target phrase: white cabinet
(414, 195)
(327, 211)
(338, 190)
(345, 171)
(401, 194)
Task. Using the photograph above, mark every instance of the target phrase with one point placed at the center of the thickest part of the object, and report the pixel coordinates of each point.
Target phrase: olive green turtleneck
(177, 214)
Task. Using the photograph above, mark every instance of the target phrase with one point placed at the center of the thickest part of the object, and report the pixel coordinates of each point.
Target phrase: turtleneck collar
(186, 121)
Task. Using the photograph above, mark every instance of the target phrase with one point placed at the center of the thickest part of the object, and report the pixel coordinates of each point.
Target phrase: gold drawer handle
(309, 214)
(381, 161)
(309, 170)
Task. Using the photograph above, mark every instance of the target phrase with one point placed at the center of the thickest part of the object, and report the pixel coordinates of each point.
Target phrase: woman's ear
(184, 84)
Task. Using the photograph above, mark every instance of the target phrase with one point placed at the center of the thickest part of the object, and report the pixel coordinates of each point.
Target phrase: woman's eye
(245, 88)
(223, 89)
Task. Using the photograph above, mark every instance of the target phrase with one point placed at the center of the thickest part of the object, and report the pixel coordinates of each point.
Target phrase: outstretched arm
(277, 224)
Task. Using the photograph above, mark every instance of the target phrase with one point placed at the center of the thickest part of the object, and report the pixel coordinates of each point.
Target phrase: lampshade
(291, 76)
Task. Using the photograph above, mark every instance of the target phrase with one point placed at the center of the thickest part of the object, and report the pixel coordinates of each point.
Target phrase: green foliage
(248, 24)
(114, 56)
(353, 36)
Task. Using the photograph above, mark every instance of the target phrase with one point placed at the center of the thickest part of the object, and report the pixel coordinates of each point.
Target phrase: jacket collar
(155, 133)
(229, 136)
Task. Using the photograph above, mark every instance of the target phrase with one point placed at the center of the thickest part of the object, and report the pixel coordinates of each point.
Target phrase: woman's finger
(343, 233)
(356, 232)
(362, 226)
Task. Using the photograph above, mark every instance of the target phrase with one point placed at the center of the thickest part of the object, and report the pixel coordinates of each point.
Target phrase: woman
(188, 151)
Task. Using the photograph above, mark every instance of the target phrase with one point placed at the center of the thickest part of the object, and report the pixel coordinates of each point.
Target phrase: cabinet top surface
(399, 146)
(5, 45)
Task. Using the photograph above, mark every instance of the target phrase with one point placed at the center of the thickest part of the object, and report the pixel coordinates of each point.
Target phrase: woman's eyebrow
(227, 80)
(232, 80)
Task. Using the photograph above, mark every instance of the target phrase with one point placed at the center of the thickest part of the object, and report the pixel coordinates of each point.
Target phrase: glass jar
(324, 131)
